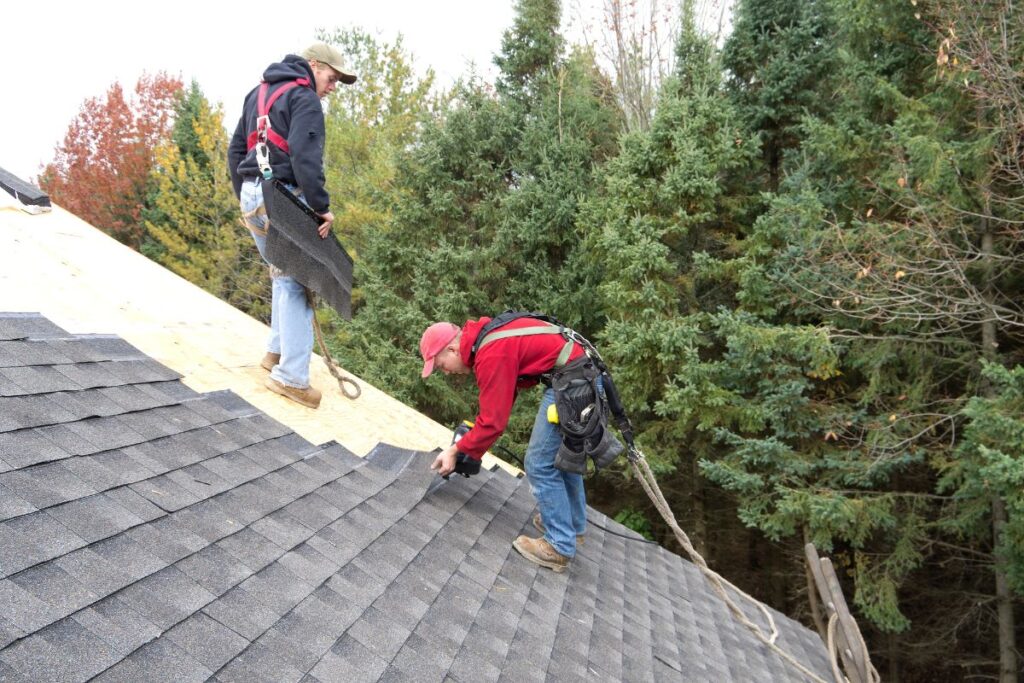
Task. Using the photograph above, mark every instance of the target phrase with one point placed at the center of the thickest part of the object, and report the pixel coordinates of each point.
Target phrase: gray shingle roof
(148, 532)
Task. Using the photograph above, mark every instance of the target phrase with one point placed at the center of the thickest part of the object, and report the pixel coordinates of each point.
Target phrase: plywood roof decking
(84, 281)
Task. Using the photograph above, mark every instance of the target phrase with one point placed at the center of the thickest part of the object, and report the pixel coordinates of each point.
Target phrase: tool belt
(582, 406)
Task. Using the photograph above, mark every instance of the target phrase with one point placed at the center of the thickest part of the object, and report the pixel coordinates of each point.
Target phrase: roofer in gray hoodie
(290, 93)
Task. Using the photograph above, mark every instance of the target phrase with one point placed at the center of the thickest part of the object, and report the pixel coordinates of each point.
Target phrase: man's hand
(325, 227)
(445, 462)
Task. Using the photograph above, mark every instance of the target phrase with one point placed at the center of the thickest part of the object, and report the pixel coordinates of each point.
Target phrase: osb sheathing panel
(88, 283)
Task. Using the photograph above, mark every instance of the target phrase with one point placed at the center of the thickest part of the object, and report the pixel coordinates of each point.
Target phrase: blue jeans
(291, 318)
(560, 495)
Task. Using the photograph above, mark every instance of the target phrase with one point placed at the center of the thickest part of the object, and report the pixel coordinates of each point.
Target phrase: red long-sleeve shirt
(497, 368)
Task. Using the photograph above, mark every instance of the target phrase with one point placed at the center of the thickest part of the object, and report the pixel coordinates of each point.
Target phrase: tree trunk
(1004, 603)
(1004, 598)
(894, 659)
(812, 596)
(773, 157)
(779, 564)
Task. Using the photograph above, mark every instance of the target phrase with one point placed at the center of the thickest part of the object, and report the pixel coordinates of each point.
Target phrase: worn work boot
(270, 360)
(539, 551)
(538, 524)
(308, 397)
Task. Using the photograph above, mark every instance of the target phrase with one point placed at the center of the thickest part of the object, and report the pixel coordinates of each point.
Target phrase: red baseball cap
(433, 342)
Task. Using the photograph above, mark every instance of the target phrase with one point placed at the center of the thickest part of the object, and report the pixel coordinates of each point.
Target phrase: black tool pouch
(582, 417)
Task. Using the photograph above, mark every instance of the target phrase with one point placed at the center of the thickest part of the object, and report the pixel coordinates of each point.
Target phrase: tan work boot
(308, 397)
(539, 551)
(538, 524)
(270, 360)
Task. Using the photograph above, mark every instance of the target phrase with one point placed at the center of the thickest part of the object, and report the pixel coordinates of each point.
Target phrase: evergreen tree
(671, 224)
(530, 49)
(778, 58)
(885, 236)
(486, 204)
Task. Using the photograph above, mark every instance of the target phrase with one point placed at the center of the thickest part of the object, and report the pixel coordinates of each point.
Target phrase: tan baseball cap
(325, 54)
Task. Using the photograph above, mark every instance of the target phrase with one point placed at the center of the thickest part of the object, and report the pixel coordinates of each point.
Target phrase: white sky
(54, 55)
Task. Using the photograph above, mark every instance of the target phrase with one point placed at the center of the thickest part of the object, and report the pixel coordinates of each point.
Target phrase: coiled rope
(356, 390)
(332, 367)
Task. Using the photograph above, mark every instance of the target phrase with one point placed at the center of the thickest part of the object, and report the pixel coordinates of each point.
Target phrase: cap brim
(344, 77)
(428, 367)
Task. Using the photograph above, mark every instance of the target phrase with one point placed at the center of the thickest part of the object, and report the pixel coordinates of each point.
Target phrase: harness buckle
(263, 159)
(262, 125)
(262, 149)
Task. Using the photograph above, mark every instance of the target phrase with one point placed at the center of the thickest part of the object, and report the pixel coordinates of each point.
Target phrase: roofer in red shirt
(516, 354)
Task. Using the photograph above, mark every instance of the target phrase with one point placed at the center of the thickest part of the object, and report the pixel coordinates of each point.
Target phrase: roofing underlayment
(152, 532)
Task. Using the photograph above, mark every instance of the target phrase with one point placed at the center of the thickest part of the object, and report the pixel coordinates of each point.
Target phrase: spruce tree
(778, 58)
(666, 204)
(486, 205)
(885, 236)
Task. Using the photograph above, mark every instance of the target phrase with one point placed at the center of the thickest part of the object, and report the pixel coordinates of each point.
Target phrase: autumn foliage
(100, 172)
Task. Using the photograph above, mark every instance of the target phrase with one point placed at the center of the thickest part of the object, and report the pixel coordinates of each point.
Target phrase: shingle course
(151, 533)
(27, 325)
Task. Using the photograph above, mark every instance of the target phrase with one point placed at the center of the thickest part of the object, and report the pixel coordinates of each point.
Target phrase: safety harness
(584, 392)
(264, 133)
(545, 325)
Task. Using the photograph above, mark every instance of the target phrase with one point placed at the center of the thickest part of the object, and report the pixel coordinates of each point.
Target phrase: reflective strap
(563, 355)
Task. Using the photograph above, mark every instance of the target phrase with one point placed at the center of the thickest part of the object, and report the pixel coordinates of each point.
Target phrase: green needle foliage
(484, 215)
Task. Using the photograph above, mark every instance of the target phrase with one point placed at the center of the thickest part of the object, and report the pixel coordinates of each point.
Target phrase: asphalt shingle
(38, 379)
(12, 505)
(29, 352)
(207, 641)
(22, 412)
(151, 533)
(45, 485)
(242, 613)
(95, 517)
(27, 325)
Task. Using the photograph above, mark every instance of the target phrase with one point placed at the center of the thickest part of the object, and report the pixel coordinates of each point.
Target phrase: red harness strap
(263, 106)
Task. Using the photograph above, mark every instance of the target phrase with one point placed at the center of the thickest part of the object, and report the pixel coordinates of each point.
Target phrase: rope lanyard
(356, 391)
(716, 581)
